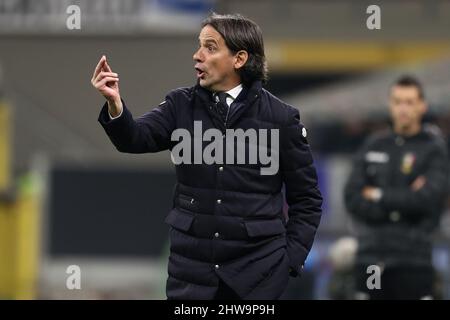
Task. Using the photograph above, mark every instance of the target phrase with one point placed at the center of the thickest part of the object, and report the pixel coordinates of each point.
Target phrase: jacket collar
(247, 95)
(246, 98)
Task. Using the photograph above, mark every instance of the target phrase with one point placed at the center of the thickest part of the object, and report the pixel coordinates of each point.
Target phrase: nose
(403, 107)
(197, 55)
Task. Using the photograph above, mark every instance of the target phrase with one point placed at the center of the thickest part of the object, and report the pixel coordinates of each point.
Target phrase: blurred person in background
(396, 192)
(229, 239)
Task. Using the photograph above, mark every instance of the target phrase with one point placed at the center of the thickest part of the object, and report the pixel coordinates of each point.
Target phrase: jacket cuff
(297, 262)
(107, 121)
(295, 272)
(112, 118)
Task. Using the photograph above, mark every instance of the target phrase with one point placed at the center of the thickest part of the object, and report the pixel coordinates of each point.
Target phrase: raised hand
(107, 83)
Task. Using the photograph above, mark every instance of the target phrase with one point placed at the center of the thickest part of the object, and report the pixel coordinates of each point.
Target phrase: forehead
(209, 33)
(405, 91)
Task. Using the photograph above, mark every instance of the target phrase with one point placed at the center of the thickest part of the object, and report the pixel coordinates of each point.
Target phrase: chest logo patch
(408, 162)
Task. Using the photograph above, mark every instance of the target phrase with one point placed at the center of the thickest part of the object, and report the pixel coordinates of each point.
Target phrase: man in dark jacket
(229, 239)
(395, 193)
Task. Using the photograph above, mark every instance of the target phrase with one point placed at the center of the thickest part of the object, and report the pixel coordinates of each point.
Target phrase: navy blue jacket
(227, 220)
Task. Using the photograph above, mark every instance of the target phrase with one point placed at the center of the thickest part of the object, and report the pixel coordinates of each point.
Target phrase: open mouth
(200, 72)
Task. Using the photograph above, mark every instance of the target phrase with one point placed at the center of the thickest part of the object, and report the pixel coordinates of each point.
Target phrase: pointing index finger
(98, 68)
(107, 67)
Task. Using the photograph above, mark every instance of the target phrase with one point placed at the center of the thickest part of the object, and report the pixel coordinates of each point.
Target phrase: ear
(241, 58)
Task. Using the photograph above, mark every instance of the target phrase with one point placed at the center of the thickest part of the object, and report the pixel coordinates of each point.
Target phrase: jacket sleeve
(302, 193)
(359, 207)
(150, 132)
(426, 199)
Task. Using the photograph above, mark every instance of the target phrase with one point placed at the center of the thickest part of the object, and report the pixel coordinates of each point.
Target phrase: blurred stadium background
(67, 197)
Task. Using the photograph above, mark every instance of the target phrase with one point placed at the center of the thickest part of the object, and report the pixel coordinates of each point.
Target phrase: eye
(211, 49)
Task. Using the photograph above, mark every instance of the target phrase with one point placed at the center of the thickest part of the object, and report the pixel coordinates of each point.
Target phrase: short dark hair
(240, 33)
(410, 81)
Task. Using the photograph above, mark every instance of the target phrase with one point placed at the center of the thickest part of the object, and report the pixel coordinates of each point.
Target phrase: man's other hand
(418, 183)
(371, 193)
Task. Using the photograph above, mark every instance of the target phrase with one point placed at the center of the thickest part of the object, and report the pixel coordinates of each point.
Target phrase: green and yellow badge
(408, 162)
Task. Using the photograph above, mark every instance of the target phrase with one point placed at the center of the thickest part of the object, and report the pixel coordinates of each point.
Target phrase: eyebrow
(213, 41)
